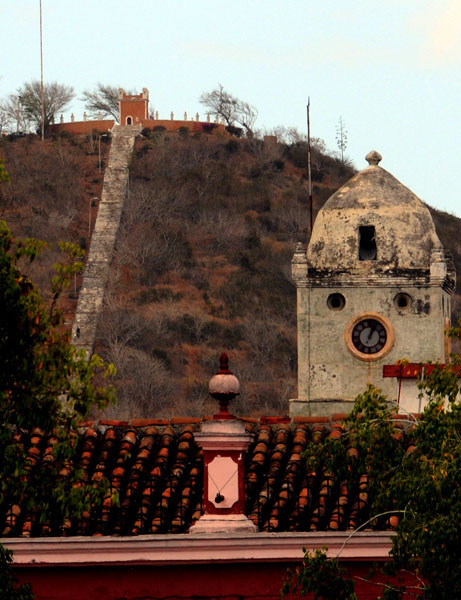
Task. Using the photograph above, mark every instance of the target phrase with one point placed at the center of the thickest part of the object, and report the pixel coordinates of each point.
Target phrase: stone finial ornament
(224, 387)
(300, 253)
(373, 158)
(224, 439)
(299, 264)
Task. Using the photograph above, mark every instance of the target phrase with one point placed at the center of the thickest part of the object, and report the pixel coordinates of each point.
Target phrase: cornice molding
(195, 548)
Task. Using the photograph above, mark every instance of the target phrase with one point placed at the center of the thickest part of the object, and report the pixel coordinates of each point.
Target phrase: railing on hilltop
(152, 117)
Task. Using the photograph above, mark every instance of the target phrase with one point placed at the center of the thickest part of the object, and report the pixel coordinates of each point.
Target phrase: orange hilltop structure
(134, 110)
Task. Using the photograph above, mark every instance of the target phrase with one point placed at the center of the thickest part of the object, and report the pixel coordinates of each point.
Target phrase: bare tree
(102, 100)
(222, 104)
(56, 98)
(12, 115)
(247, 115)
(145, 386)
(341, 137)
(291, 135)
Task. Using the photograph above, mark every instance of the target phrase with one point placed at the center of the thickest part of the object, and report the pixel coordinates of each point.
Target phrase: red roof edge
(148, 422)
(273, 420)
(335, 417)
(334, 420)
(414, 370)
(300, 419)
(113, 423)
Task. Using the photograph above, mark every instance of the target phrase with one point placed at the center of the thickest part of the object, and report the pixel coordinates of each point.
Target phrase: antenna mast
(309, 175)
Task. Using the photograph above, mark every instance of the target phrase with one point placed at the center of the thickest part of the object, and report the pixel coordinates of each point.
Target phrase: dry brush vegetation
(203, 265)
(48, 198)
(202, 262)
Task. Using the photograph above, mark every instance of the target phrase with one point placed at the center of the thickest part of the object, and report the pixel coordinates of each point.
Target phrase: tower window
(402, 301)
(367, 243)
(336, 301)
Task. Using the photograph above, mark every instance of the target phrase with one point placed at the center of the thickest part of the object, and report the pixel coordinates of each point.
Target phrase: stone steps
(97, 270)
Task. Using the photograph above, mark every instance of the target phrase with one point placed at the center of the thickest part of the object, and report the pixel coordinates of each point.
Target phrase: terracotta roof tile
(154, 474)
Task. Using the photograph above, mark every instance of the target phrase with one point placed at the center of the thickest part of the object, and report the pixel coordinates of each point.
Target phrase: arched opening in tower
(367, 243)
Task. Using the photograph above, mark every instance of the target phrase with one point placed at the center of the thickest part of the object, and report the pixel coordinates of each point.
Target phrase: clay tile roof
(155, 480)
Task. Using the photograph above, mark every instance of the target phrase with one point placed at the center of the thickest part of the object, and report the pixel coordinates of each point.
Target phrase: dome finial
(224, 387)
(373, 158)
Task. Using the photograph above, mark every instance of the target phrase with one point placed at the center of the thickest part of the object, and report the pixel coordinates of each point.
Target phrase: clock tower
(373, 287)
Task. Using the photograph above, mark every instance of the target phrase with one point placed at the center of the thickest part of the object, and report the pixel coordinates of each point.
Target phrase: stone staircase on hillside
(102, 245)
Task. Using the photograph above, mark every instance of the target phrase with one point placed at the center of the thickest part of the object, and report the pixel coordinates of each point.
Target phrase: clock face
(369, 336)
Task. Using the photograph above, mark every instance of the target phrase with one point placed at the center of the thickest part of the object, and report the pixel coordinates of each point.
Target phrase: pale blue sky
(391, 68)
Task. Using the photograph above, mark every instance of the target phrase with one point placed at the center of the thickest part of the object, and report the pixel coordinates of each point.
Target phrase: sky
(391, 69)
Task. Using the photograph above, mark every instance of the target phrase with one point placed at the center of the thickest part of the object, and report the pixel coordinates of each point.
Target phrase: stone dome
(372, 221)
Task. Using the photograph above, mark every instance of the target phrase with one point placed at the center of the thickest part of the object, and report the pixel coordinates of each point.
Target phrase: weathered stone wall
(96, 274)
(330, 376)
(374, 287)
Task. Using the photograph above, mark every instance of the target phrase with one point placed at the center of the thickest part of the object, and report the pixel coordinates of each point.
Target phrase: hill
(203, 264)
(202, 261)
(49, 197)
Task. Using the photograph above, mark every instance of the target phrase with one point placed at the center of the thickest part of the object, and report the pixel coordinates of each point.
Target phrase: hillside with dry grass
(203, 265)
(202, 261)
(49, 197)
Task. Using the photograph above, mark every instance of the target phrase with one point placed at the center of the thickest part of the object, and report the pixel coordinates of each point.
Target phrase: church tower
(373, 287)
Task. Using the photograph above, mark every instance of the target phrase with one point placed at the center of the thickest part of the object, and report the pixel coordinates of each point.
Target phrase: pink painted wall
(82, 127)
(231, 581)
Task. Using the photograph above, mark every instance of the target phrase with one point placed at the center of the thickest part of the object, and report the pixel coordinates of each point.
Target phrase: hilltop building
(373, 287)
(134, 112)
(134, 108)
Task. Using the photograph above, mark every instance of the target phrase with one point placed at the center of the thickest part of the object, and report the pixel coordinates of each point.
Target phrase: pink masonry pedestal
(224, 442)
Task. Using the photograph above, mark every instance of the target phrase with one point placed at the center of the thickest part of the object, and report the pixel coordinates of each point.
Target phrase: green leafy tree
(413, 486)
(9, 587)
(321, 576)
(46, 386)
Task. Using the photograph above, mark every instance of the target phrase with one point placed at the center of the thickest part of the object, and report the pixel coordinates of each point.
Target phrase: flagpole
(309, 174)
(42, 95)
